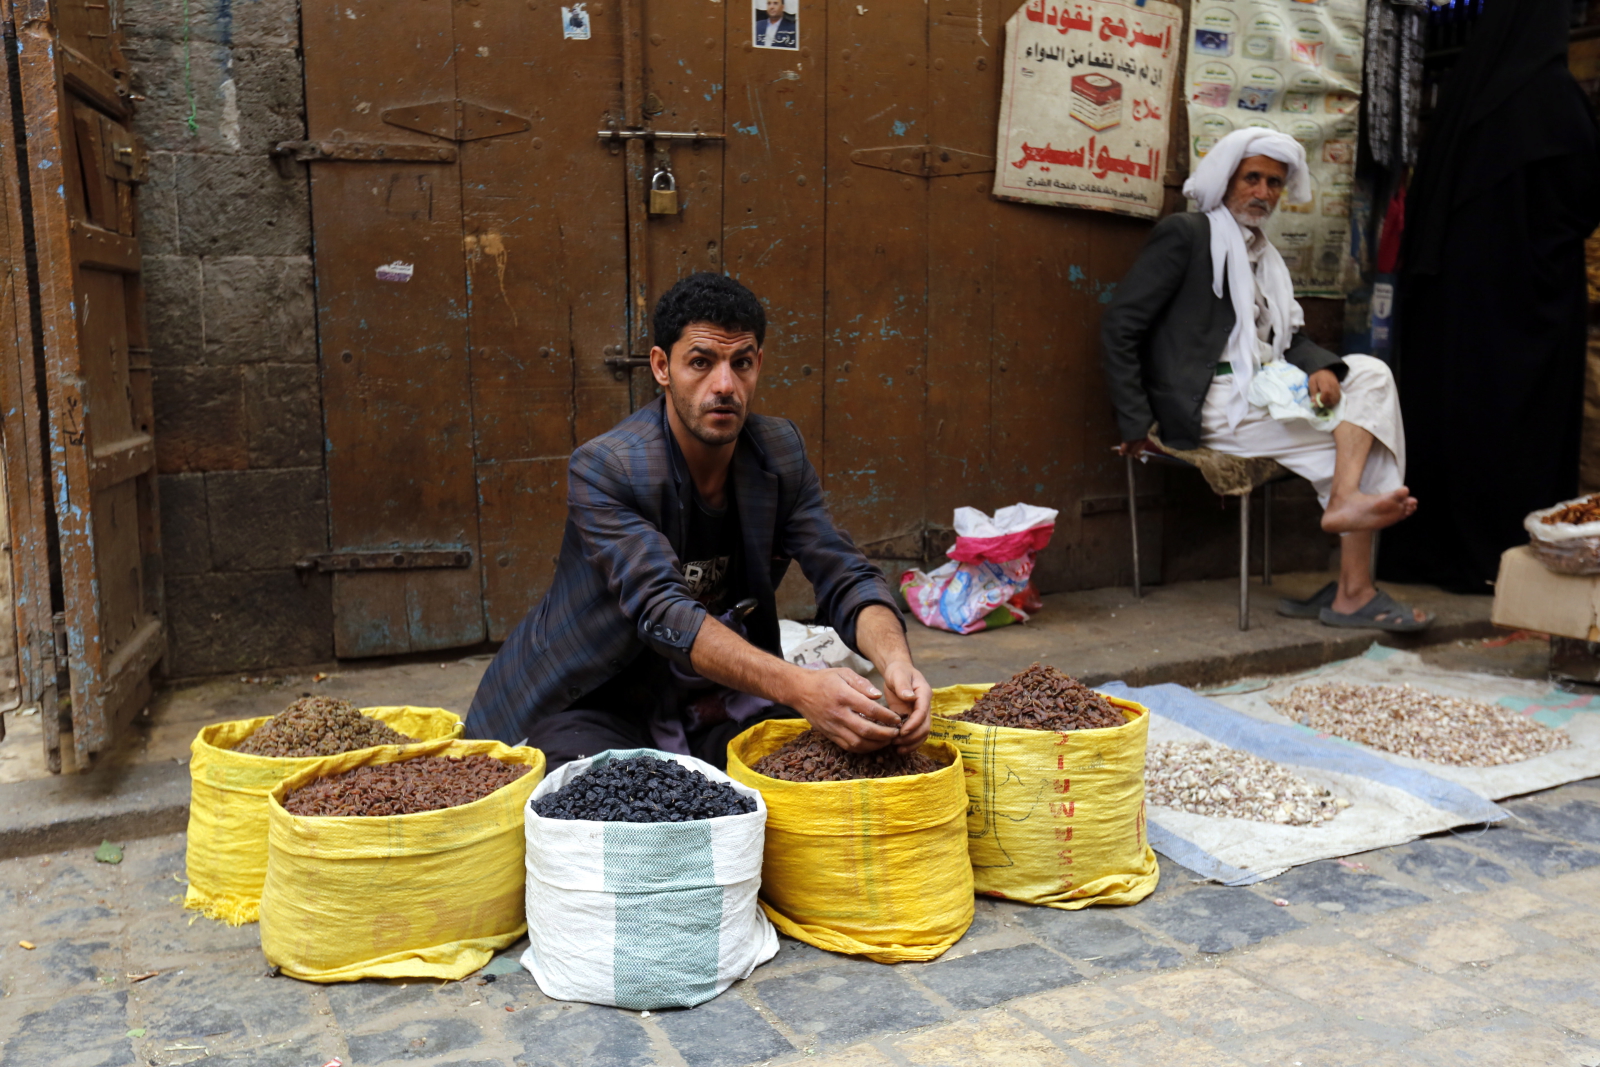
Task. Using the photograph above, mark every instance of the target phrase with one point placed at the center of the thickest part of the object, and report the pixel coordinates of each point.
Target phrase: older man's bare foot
(1368, 511)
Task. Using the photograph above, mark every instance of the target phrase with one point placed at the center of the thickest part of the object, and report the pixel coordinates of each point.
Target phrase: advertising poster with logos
(1293, 66)
(1086, 105)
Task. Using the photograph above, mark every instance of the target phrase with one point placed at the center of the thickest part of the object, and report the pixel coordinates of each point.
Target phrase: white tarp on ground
(1578, 715)
(1389, 804)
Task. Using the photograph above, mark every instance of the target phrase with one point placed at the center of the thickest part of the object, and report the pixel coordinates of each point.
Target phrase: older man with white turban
(1203, 340)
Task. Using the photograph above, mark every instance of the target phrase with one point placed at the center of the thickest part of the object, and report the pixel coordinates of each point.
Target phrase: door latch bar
(364, 152)
(402, 560)
(657, 135)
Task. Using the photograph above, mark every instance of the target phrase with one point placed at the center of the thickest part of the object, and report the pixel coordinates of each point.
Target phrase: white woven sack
(644, 915)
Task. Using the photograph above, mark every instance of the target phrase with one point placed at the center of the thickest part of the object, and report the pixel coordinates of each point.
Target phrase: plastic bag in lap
(430, 895)
(1053, 818)
(227, 838)
(876, 867)
(644, 915)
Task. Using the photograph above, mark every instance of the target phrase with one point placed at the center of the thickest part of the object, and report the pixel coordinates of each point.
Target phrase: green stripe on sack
(668, 913)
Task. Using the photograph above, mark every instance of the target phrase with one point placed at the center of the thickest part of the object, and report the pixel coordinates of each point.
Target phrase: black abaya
(1492, 312)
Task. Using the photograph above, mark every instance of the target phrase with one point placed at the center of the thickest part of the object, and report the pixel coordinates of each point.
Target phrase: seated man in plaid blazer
(682, 512)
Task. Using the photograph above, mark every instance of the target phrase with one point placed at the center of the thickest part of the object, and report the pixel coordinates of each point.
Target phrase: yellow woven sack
(227, 851)
(431, 895)
(1054, 819)
(875, 868)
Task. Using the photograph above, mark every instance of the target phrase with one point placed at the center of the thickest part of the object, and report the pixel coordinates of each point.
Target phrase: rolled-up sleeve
(844, 579)
(638, 561)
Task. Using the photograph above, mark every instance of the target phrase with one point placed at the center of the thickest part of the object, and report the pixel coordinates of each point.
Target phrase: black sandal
(1311, 607)
(1401, 620)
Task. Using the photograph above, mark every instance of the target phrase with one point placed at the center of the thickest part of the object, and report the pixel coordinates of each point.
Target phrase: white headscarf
(1208, 186)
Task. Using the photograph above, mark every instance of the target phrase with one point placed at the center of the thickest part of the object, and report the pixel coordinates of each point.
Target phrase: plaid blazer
(618, 588)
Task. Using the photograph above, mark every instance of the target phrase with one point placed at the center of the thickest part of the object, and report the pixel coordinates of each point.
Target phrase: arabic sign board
(1084, 113)
(1292, 66)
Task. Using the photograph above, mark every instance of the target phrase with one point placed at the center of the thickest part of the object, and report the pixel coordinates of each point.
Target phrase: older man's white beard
(1253, 214)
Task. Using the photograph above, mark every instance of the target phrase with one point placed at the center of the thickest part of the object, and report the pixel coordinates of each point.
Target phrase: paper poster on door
(1085, 108)
(774, 25)
(575, 22)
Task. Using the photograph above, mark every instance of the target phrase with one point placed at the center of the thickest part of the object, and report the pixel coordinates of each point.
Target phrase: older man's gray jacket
(1164, 333)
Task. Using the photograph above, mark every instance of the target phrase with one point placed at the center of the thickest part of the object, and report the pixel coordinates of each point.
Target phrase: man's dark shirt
(712, 569)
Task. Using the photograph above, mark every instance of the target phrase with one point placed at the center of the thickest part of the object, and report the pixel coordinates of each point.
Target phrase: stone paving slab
(1479, 947)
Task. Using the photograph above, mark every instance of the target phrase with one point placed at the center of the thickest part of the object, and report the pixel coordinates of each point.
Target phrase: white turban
(1208, 187)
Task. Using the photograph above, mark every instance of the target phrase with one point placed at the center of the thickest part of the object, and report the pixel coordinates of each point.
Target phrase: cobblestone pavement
(1476, 948)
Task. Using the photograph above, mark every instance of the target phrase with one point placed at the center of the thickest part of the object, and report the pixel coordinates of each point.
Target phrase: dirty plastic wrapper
(227, 838)
(430, 895)
(876, 867)
(1053, 818)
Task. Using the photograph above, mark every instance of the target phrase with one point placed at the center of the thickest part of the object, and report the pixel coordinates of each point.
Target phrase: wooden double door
(486, 262)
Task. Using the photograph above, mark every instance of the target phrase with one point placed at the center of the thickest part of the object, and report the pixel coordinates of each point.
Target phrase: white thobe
(1370, 401)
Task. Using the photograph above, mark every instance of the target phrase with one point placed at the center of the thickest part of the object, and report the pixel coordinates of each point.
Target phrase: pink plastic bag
(985, 584)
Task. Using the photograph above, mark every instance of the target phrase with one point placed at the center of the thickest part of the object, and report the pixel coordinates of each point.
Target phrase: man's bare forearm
(724, 657)
(880, 635)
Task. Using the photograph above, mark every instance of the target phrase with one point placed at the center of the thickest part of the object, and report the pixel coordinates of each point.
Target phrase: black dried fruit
(812, 757)
(643, 789)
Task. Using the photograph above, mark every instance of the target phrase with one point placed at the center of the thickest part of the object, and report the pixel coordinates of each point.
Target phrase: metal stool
(1227, 476)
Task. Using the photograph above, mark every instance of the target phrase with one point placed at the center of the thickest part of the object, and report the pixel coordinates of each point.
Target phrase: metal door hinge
(401, 560)
(923, 160)
(363, 152)
(456, 120)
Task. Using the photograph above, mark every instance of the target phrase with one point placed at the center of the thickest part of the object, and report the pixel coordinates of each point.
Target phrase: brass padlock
(663, 199)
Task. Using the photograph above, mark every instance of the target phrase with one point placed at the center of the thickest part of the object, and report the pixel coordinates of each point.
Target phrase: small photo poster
(775, 25)
(575, 22)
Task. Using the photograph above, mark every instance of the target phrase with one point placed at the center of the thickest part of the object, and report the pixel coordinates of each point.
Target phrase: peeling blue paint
(750, 129)
(1075, 273)
(45, 164)
(900, 127)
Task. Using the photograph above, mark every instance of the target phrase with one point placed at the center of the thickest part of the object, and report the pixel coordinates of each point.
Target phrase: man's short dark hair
(707, 297)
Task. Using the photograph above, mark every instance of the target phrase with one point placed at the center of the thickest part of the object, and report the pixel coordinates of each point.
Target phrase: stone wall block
(200, 423)
(185, 530)
(260, 309)
(244, 101)
(241, 206)
(283, 415)
(243, 621)
(172, 310)
(270, 87)
(266, 519)
(158, 207)
(254, 23)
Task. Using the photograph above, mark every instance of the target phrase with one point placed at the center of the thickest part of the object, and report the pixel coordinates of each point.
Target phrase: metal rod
(1133, 528)
(1244, 562)
(657, 135)
(1266, 534)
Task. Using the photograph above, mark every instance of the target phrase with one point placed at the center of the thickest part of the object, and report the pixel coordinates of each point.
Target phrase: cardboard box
(1529, 596)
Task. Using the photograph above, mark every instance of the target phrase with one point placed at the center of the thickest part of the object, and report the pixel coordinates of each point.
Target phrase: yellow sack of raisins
(227, 849)
(1053, 818)
(430, 895)
(876, 867)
